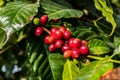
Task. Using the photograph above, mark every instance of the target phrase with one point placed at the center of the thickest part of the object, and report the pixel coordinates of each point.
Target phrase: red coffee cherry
(49, 39)
(58, 44)
(58, 34)
(62, 29)
(67, 35)
(44, 19)
(65, 47)
(75, 53)
(84, 42)
(70, 42)
(74, 43)
(53, 30)
(51, 47)
(38, 31)
(84, 50)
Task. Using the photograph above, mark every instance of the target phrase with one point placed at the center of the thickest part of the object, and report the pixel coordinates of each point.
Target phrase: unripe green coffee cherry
(36, 21)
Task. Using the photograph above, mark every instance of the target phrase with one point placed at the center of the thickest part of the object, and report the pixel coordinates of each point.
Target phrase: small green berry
(36, 21)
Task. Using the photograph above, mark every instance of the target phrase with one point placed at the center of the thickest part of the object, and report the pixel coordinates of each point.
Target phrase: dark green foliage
(20, 49)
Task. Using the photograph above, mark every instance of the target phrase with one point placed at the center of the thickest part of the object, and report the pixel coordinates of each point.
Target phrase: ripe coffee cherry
(65, 47)
(58, 34)
(84, 50)
(62, 29)
(55, 20)
(67, 35)
(53, 30)
(44, 19)
(36, 21)
(83, 42)
(74, 43)
(58, 44)
(67, 53)
(51, 47)
(49, 39)
(38, 31)
(70, 41)
(75, 53)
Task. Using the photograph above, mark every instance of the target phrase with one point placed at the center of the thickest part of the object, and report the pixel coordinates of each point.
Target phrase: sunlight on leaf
(98, 47)
(107, 11)
(38, 58)
(15, 15)
(57, 62)
(70, 70)
(56, 10)
(94, 70)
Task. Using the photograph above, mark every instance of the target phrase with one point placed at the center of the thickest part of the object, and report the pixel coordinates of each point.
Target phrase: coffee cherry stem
(46, 30)
(101, 58)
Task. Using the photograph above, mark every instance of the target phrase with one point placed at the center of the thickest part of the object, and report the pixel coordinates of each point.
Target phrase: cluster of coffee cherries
(60, 38)
(40, 21)
(57, 38)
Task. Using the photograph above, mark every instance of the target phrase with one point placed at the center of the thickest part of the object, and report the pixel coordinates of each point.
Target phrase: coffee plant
(59, 39)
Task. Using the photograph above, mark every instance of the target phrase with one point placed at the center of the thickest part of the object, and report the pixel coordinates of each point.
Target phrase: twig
(46, 30)
(101, 58)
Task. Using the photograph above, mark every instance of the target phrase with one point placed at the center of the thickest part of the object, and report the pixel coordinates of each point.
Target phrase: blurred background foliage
(14, 64)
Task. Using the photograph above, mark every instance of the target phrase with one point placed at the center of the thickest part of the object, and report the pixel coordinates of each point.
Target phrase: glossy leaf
(56, 62)
(94, 70)
(83, 33)
(14, 16)
(107, 11)
(70, 70)
(38, 58)
(98, 47)
(47, 65)
(56, 10)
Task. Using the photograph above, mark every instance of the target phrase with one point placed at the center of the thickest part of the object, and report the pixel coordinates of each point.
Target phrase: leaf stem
(100, 58)
(95, 24)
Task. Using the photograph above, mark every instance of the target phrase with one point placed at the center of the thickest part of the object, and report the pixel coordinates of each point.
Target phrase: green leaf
(118, 21)
(107, 11)
(116, 2)
(14, 16)
(116, 40)
(83, 33)
(56, 62)
(56, 11)
(38, 58)
(2, 37)
(70, 70)
(94, 70)
(106, 39)
(117, 45)
(98, 47)
(45, 64)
